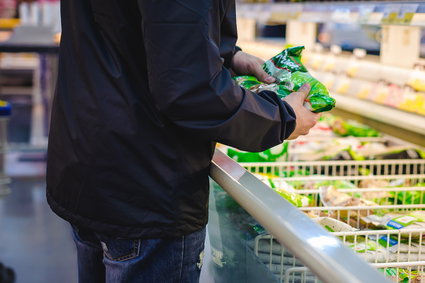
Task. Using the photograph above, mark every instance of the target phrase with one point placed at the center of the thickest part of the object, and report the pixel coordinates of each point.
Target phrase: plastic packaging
(290, 75)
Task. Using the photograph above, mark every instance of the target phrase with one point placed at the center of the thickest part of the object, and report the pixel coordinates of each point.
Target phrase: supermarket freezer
(299, 250)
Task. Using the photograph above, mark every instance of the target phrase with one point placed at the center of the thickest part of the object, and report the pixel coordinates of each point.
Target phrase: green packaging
(290, 75)
(273, 154)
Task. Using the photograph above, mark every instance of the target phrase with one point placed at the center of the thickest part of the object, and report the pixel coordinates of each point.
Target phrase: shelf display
(356, 12)
(390, 86)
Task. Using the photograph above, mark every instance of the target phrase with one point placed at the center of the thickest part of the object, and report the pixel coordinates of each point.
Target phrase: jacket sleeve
(192, 88)
(228, 34)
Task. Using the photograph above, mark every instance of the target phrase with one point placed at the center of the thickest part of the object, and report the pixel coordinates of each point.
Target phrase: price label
(365, 13)
(399, 13)
(391, 13)
(375, 18)
(342, 15)
(406, 13)
(364, 91)
(285, 12)
(343, 85)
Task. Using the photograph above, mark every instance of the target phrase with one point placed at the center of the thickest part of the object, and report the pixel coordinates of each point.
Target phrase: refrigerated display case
(247, 209)
(384, 186)
(392, 191)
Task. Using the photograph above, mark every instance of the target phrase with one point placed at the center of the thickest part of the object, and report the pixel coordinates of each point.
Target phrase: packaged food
(285, 190)
(403, 275)
(417, 78)
(290, 75)
(402, 247)
(350, 128)
(277, 153)
(332, 197)
(333, 225)
(391, 221)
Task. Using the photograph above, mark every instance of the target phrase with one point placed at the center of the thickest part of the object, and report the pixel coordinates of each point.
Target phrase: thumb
(262, 75)
(303, 91)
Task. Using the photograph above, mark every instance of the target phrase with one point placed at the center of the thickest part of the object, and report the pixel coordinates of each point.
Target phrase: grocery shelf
(369, 13)
(15, 90)
(398, 123)
(262, 48)
(383, 114)
(9, 23)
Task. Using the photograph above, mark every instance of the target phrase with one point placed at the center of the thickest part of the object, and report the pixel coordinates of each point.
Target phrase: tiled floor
(33, 241)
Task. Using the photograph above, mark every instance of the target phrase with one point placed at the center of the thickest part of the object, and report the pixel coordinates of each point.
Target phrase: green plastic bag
(284, 190)
(251, 83)
(345, 128)
(273, 154)
(290, 75)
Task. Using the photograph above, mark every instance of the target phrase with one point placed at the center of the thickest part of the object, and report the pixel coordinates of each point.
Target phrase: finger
(260, 61)
(304, 90)
(262, 75)
(292, 136)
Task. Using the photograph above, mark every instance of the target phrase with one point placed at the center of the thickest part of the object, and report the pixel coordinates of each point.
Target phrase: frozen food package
(276, 153)
(290, 75)
(330, 196)
(345, 128)
(403, 274)
(284, 190)
(333, 225)
(414, 220)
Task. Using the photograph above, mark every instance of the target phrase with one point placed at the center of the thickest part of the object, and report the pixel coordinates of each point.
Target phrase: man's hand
(246, 64)
(305, 118)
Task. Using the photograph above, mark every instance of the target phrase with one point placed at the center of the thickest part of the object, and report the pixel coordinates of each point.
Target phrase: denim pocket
(120, 249)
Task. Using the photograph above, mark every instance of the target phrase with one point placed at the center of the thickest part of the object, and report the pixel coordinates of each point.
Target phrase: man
(143, 94)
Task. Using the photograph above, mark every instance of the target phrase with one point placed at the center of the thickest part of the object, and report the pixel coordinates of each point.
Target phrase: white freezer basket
(404, 261)
(400, 254)
(338, 170)
(316, 147)
(395, 272)
(381, 195)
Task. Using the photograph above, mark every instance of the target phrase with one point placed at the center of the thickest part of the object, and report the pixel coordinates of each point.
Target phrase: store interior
(357, 175)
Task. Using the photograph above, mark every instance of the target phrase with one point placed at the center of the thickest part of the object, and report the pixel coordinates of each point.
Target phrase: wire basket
(399, 254)
(338, 169)
(398, 261)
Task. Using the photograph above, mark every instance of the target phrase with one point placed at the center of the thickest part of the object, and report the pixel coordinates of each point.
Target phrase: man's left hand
(246, 64)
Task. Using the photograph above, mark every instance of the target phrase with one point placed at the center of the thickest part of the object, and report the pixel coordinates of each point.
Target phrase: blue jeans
(116, 260)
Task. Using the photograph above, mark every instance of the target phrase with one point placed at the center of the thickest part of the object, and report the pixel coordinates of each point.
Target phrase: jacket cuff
(291, 124)
(287, 114)
(228, 64)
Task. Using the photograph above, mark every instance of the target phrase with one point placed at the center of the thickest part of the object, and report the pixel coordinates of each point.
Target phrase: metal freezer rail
(325, 255)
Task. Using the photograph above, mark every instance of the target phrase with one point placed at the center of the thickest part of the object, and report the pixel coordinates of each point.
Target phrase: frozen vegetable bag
(290, 75)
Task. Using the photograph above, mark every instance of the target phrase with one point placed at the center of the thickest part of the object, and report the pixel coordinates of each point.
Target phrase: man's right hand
(305, 118)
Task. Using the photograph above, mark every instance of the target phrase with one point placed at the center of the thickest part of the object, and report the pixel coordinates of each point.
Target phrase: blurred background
(369, 54)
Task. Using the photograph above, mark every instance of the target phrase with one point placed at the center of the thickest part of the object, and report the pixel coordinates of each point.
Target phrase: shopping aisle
(33, 240)
(37, 244)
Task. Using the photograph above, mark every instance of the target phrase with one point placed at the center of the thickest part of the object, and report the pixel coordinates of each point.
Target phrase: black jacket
(143, 94)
